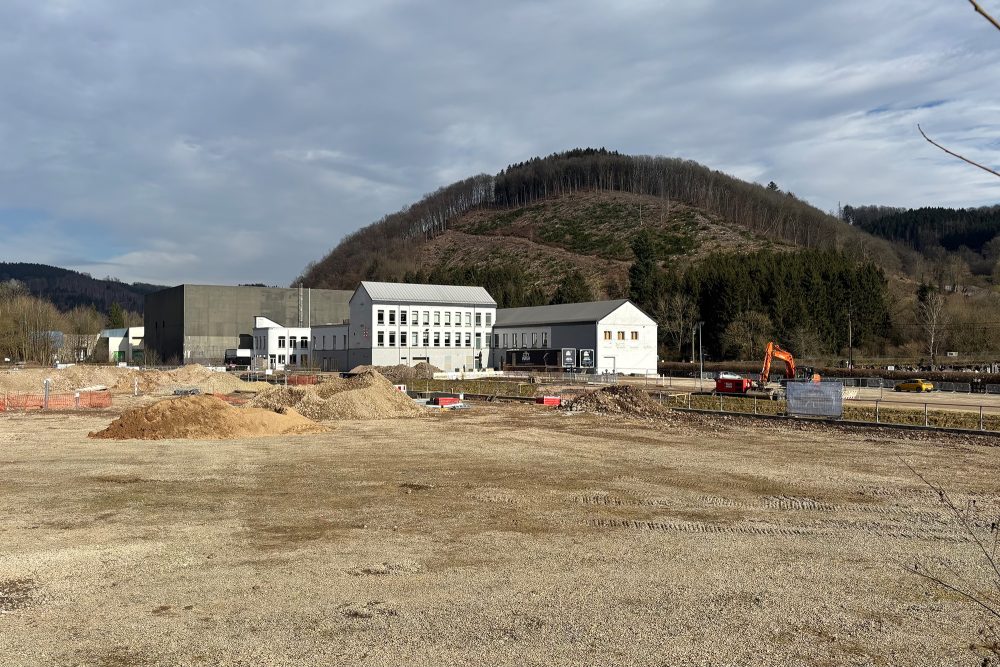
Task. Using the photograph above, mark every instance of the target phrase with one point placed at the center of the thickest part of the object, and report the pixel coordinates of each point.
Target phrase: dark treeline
(509, 284)
(391, 245)
(68, 289)
(924, 229)
(814, 302)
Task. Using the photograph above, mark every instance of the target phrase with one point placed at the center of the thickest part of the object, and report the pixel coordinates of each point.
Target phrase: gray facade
(198, 323)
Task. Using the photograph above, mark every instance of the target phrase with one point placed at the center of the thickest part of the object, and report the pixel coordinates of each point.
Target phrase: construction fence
(79, 400)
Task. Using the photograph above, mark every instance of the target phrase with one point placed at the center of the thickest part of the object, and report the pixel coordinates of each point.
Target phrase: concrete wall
(197, 323)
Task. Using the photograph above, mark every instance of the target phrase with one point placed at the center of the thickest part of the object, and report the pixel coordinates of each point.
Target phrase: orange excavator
(775, 351)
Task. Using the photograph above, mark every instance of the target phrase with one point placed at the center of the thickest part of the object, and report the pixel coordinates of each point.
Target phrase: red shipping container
(445, 400)
(548, 400)
(732, 385)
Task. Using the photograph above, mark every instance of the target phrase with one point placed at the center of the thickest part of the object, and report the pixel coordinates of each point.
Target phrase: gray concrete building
(198, 323)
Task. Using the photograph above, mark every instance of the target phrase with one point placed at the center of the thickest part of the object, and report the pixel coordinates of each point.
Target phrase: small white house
(276, 346)
(449, 326)
(597, 336)
(124, 345)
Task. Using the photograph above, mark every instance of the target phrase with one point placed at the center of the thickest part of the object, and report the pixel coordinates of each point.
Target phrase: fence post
(135, 386)
(45, 402)
(876, 410)
(689, 400)
(925, 414)
(755, 405)
(720, 402)
(980, 418)
(76, 400)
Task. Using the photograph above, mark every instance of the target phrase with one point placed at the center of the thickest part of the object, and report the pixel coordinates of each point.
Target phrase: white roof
(461, 295)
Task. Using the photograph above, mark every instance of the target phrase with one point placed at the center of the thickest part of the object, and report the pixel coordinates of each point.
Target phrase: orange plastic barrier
(86, 399)
(302, 379)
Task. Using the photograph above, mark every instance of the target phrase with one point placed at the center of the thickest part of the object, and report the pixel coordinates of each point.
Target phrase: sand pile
(619, 400)
(365, 396)
(66, 379)
(210, 382)
(402, 373)
(203, 417)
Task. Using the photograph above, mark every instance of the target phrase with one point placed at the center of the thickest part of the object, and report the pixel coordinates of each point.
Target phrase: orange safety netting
(62, 401)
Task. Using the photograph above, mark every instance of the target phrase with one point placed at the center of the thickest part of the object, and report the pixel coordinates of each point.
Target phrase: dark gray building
(198, 323)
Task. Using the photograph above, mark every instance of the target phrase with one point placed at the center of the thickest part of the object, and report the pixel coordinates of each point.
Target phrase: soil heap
(121, 379)
(203, 418)
(368, 395)
(402, 373)
(620, 399)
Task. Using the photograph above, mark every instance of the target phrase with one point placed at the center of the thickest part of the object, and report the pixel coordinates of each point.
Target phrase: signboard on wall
(569, 357)
(586, 358)
(816, 399)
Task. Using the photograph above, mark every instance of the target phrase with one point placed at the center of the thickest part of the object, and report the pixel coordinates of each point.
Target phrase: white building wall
(277, 347)
(626, 342)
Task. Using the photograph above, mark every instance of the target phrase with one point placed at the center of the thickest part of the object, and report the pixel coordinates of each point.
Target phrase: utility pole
(701, 360)
(850, 338)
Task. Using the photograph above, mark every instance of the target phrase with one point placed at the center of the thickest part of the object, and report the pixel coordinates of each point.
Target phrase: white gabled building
(620, 338)
(276, 346)
(448, 326)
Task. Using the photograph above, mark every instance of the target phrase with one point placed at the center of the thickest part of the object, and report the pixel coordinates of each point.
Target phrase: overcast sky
(228, 142)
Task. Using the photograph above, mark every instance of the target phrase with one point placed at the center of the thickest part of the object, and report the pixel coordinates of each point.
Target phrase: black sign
(586, 358)
(569, 357)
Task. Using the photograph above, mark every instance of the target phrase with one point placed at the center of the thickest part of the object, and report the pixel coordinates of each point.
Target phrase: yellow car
(915, 385)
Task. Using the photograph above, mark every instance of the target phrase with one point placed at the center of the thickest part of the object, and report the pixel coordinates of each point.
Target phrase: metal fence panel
(816, 399)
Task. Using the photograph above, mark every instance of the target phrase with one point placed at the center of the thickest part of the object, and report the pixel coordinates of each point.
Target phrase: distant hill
(67, 289)
(538, 221)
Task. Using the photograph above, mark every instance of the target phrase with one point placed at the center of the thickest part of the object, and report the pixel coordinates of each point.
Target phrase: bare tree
(982, 12)
(678, 314)
(932, 319)
(747, 335)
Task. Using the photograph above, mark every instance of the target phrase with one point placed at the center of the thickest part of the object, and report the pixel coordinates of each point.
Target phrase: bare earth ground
(505, 535)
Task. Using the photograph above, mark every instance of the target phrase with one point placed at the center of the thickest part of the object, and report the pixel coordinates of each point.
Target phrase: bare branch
(986, 16)
(954, 589)
(960, 157)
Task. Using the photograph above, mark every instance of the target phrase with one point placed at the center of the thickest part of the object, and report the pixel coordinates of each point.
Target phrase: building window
(292, 342)
(304, 360)
(447, 339)
(468, 339)
(458, 319)
(291, 359)
(496, 340)
(489, 319)
(545, 339)
(447, 318)
(427, 339)
(380, 317)
(468, 319)
(534, 340)
(392, 317)
(524, 339)
(392, 339)
(402, 338)
(479, 319)
(607, 335)
(281, 358)
(380, 337)
(345, 342)
(437, 318)
(402, 317)
(414, 319)
(427, 318)
(304, 343)
(437, 339)
(479, 340)
(621, 335)
(635, 335)
(281, 342)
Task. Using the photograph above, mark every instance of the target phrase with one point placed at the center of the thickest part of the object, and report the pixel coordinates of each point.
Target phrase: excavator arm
(774, 351)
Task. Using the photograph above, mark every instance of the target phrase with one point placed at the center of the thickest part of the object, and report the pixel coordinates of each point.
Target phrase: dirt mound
(203, 417)
(402, 373)
(368, 395)
(208, 381)
(619, 400)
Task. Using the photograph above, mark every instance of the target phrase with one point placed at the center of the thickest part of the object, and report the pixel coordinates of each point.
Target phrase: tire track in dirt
(698, 527)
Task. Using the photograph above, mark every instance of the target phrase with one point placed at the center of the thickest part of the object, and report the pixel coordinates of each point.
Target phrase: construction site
(192, 517)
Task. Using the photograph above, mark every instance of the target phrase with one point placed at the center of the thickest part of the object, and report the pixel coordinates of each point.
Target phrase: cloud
(234, 142)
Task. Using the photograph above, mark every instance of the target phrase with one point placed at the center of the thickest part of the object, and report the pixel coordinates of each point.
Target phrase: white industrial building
(449, 326)
(276, 346)
(598, 336)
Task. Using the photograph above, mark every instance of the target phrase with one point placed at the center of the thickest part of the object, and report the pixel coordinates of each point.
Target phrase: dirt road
(500, 535)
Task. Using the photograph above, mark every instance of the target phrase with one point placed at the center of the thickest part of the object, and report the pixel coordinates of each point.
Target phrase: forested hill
(67, 289)
(924, 229)
(536, 222)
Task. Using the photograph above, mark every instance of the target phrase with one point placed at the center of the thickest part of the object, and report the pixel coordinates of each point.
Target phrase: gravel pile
(368, 395)
(402, 373)
(619, 400)
(203, 417)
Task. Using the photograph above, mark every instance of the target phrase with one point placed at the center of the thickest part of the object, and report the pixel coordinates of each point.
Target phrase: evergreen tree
(116, 317)
(573, 289)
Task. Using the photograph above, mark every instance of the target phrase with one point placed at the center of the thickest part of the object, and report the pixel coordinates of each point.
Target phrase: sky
(233, 142)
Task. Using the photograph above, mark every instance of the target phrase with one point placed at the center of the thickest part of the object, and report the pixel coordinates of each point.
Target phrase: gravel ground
(502, 535)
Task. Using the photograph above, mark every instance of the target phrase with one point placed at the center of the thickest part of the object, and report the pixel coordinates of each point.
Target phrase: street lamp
(701, 359)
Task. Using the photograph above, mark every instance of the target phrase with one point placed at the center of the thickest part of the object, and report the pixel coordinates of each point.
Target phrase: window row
(292, 359)
(415, 340)
(620, 335)
(260, 342)
(521, 340)
(383, 316)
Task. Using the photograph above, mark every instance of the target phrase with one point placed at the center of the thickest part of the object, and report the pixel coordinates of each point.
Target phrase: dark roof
(564, 313)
